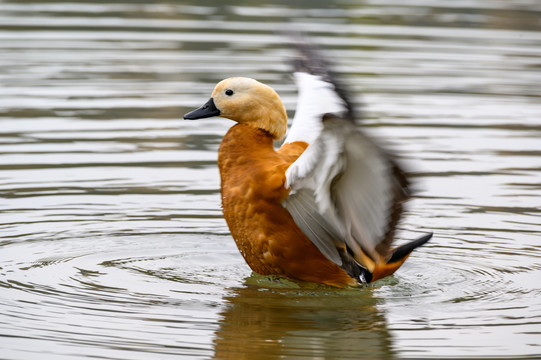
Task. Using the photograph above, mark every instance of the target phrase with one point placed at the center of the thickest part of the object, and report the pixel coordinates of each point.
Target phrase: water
(112, 243)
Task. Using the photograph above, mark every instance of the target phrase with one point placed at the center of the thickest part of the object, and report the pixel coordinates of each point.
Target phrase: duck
(324, 206)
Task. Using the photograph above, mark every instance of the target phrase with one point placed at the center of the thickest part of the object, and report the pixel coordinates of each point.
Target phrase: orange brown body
(253, 178)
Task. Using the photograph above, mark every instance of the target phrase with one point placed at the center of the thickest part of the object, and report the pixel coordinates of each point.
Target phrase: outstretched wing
(346, 192)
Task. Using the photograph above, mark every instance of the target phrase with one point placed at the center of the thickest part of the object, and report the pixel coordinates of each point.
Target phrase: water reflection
(272, 322)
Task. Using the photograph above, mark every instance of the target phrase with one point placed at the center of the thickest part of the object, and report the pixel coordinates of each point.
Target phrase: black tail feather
(402, 251)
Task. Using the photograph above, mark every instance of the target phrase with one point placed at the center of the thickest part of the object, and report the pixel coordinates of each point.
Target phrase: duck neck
(242, 141)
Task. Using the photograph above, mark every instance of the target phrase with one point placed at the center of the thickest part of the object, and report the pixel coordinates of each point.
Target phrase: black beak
(205, 111)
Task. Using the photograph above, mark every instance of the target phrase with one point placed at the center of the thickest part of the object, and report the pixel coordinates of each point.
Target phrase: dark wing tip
(309, 60)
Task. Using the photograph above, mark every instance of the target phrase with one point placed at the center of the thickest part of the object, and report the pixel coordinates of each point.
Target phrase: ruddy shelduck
(324, 206)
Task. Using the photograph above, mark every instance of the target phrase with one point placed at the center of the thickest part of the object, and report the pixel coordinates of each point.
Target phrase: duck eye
(229, 92)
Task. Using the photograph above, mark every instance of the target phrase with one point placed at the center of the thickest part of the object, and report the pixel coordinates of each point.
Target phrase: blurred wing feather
(345, 191)
(313, 224)
(353, 188)
(365, 194)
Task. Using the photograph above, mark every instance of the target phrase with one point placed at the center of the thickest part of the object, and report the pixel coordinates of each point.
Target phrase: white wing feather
(316, 97)
(342, 186)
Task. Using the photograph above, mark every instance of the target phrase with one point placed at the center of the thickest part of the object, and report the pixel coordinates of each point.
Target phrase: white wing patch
(316, 97)
(345, 191)
(318, 165)
(342, 191)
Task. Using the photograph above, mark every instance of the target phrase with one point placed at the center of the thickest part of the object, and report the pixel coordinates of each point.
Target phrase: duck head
(246, 101)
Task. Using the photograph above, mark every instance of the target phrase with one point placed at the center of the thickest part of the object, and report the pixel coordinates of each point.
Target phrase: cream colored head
(250, 102)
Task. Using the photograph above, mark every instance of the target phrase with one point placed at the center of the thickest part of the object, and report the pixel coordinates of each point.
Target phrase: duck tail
(398, 256)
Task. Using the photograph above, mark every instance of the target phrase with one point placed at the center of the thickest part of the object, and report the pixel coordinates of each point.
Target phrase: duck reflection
(319, 322)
